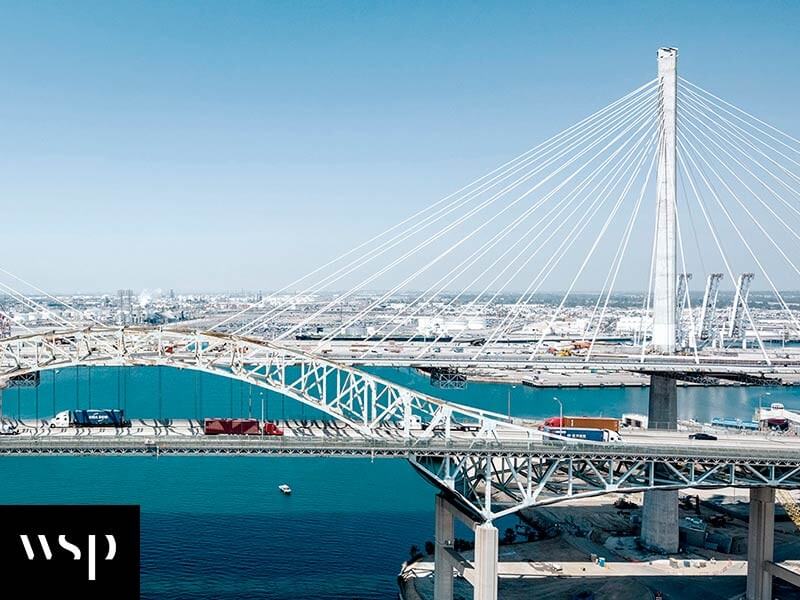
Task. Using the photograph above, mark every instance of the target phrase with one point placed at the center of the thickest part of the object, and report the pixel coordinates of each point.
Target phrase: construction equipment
(735, 325)
(708, 313)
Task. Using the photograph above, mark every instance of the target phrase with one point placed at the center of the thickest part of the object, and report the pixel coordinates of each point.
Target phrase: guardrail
(394, 448)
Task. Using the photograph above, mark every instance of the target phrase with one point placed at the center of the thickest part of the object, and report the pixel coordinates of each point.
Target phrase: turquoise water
(216, 527)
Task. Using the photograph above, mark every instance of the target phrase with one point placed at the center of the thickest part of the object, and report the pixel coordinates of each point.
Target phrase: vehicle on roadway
(8, 428)
(223, 426)
(98, 417)
(583, 422)
(700, 435)
(590, 435)
(416, 423)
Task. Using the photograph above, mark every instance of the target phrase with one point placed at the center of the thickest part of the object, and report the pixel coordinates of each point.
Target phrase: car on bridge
(8, 429)
(700, 435)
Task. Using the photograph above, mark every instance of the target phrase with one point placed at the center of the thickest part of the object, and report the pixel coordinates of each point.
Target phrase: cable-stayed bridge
(571, 213)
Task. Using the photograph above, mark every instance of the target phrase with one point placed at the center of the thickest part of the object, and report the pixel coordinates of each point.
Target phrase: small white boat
(285, 489)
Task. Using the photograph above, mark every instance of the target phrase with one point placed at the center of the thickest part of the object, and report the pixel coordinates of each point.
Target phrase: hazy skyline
(219, 146)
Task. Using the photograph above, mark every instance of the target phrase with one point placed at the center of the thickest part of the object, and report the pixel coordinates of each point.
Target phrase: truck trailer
(590, 435)
(224, 426)
(584, 422)
(92, 417)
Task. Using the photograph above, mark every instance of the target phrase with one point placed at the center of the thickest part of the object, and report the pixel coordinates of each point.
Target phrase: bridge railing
(439, 446)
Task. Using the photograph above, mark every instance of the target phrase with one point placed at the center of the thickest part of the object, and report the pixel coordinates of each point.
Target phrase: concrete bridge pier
(760, 543)
(486, 542)
(442, 555)
(660, 509)
(482, 573)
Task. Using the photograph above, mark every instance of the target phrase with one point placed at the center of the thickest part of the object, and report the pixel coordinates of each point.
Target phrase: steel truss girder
(712, 378)
(493, 486)
(488, 479)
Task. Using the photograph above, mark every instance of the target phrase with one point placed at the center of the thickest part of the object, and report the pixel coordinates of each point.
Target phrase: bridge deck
(324, 438)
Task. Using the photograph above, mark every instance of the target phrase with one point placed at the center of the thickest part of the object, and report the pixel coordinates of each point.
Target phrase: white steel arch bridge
(491, 464)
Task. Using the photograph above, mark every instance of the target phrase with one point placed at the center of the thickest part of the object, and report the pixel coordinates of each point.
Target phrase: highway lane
(295, 430)
(632, 362)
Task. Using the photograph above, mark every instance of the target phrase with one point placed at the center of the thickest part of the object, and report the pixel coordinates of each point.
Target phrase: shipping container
(223, 426)
(584, 422)
(110, 417)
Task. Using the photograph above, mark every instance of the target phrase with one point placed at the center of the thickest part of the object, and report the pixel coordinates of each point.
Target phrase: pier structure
(760, 543)
(481, 572)
(660, 512)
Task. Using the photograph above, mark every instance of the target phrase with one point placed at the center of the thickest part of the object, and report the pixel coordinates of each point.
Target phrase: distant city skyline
(209, 147)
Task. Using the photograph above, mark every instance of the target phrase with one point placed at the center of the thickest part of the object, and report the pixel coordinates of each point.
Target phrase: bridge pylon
(660, 511)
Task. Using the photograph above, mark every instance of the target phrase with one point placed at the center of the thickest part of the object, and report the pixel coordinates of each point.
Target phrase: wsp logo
(93, 547)
(72, 549)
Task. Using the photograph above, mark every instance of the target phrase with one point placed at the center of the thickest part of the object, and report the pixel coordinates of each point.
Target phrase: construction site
(591, 549)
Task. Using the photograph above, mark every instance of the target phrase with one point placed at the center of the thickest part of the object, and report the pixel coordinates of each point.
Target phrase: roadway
(326, 437)
(522, 358)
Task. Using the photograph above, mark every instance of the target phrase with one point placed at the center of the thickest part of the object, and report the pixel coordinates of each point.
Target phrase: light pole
(261, 393)
(560, 412)
(508, 399)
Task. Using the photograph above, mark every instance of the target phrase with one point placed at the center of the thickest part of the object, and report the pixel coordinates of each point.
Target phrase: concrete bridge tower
(664, 289)
(660, 511)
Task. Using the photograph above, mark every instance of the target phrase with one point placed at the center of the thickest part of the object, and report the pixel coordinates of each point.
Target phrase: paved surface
(656, 568)
(633, 441)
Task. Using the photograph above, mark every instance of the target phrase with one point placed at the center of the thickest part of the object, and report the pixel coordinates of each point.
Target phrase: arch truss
(357, 398)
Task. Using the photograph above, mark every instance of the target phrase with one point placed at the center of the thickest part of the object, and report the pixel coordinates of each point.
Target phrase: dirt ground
(550, 588)
(596, 526)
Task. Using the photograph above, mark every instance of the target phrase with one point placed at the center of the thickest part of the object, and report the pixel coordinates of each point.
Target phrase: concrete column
(760, 543)
(660, 521)
(443, 567)
(662, 409)
(665, 278)
(660, 509)
(485, 563)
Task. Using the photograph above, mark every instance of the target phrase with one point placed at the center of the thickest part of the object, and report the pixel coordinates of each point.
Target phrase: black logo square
(87, 551)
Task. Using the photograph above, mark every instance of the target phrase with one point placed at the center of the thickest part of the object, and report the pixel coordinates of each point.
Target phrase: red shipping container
(220, 426)
(245, 427)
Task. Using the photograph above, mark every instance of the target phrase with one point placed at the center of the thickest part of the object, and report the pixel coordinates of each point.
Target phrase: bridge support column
(486, 544)
(760, 543)
(660, 520)
(660, 509)
(662, 409)
(442, 560)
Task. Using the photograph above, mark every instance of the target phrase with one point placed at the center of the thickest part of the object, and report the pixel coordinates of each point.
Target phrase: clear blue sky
(217, 145)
